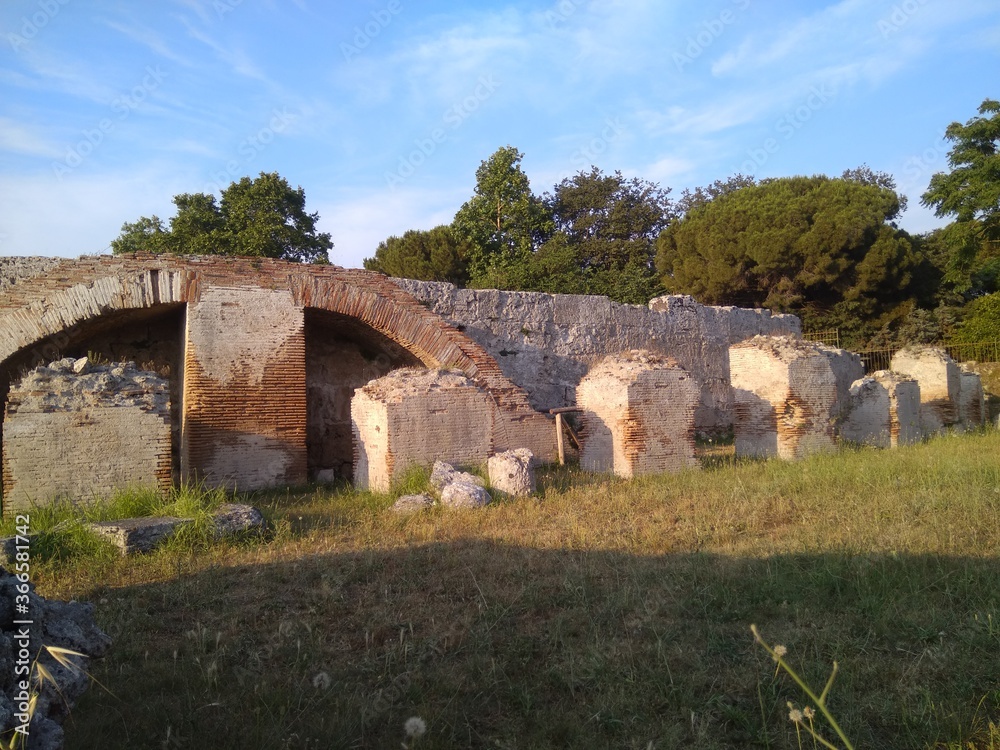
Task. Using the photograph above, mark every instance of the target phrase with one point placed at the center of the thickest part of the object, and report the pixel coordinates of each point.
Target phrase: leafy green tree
(612, 224)
(263, 217)
(824, 248)
(981, 321)
(435, 255)
(691, 199)
(503, 222)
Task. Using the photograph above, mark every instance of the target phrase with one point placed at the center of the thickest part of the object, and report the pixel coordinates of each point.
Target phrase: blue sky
(383, 110)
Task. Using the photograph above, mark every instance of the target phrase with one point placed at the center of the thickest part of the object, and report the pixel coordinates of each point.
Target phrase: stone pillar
(787, 395)
(884, 411)
(415, 416)
(638, 415)
(940, 385)
(971, 400)
(244, 423)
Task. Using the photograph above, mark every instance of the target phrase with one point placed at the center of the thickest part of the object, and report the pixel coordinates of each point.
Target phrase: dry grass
(604, 614)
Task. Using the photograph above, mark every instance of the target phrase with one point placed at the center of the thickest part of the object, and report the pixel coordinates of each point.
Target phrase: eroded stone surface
(462, 494)
(788, 394)
(512, 472)
(414, 417)
(884, 411)
(412, 503)
(939, 377)
(638, 415)
(235, 519)
(138, 535)
(971, 400)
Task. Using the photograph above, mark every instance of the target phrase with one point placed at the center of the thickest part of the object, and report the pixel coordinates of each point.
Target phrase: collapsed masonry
(75, 430)
(788, 394)
(638, 415)
(940, 381)
(884, 411)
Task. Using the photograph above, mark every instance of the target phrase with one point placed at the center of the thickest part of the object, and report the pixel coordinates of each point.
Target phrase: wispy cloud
(18, 138)
(148, 38)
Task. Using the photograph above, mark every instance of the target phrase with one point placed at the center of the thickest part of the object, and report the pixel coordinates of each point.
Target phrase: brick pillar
(244, 422)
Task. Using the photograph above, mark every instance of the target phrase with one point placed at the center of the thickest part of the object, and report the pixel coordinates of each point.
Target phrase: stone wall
(788, 394)
(82, 435)
(638, 415)
(884, 411)
(416, 417)
(546, 343)
(971, 400)
(940, 385)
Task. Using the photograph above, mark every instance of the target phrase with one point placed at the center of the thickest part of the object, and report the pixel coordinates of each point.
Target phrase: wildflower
(779, 652)
(322, 681)
(415, 726)
(795, 715)
(808, 713)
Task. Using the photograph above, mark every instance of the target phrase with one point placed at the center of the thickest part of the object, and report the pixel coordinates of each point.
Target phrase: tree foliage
(825, 248)
(435, 255)
(263, 217)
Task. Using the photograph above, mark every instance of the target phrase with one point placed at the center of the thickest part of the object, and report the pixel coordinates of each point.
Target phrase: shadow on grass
(506, 646)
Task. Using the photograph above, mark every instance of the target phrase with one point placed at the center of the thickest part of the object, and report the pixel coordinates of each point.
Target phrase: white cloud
(19, 138)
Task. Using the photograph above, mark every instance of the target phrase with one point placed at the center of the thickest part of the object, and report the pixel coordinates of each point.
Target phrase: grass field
(602, 614)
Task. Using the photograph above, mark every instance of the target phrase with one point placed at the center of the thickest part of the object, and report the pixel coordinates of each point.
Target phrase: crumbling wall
(14, 270)
(83, 433)
(788, 394)
(971, 400)
(940, 385)
(244, 389)
(638, 415)
(884, 411)
(546, 343)
(418, 416)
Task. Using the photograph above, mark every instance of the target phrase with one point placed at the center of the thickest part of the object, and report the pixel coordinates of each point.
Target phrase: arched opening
(342, 354)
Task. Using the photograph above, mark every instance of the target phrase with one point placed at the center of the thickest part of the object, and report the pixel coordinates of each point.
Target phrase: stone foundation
(788, 394)
(940, 385)
(884, 411)
(638, 415)
(415, 416)
(82, 435)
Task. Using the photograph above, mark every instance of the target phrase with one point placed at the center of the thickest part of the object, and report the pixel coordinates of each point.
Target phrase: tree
(821, 247)
(262, 218)
(435, 255)
(503, 221)
(612, 224)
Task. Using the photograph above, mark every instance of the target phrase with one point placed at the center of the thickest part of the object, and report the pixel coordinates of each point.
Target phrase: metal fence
(830, 338)
(880, 359)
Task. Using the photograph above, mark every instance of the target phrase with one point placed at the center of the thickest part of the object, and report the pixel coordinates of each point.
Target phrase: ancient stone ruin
(971, 400)
(940, 385)
(638, 415)
(788, 394)
(884, 411)
(76, 430)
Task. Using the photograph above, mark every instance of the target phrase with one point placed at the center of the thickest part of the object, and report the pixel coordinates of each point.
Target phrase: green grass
(603, 613)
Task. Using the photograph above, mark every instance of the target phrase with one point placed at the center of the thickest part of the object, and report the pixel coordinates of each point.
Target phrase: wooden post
(559, 439)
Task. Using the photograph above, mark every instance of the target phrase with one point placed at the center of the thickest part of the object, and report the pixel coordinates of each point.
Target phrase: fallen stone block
(939, 377)
(412, 503)
(463, 494)
(512, 472)
(236, 519)
(444, 474)
(135, 535)
(884, 411)
(638, 415)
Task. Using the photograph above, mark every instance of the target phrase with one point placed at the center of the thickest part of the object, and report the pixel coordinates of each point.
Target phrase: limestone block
(462, 494)
(971, 401)
(940, 385)
(134, 535)
(512, 472)
(638, 415)
(884, 411)
(234, 519)
(414, 416)
(444, 474)
(787, 394)
(412, 503)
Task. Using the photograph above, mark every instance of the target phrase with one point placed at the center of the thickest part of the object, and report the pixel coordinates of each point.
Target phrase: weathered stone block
(787, 394)
(940, 385)
(512, 472)
(412, 503)
(136, 535)
(233, 519)
(638, 415)
(884, 411)
(971, 400)
(414, 416)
